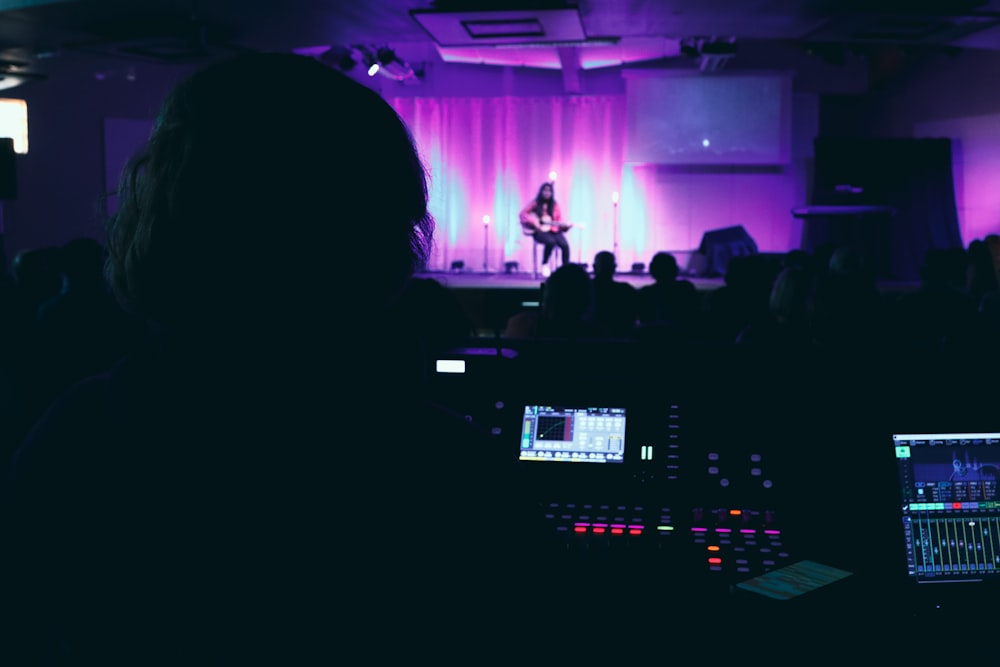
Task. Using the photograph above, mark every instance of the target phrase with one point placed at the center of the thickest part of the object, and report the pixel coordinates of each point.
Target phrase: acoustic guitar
(532, 225)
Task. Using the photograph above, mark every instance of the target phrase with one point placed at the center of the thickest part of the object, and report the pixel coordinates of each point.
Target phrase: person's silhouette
(83, 330)
(257, 486)
(615, 301)
(670, 303)
(565, 312)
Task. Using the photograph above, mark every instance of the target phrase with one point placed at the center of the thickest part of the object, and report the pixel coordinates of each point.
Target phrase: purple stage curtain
(488, 156)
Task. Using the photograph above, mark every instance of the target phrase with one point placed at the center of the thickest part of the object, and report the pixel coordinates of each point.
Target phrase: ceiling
(175, 30)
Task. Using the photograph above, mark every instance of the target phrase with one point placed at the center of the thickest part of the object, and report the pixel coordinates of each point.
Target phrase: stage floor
(522, 281)
(480, 280)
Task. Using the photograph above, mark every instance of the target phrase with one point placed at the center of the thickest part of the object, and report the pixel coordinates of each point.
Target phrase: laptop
(950, 506)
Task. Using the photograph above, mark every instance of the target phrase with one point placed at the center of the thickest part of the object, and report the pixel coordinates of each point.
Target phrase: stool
(539, 247)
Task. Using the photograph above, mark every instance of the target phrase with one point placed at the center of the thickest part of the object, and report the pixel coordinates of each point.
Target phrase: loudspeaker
(718, 246)
(8, 169)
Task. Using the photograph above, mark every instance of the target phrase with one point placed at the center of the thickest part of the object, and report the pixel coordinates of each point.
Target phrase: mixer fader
(717, 516)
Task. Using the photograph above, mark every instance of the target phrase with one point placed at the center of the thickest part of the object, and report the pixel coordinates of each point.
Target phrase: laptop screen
(573, 434)
(950, 508)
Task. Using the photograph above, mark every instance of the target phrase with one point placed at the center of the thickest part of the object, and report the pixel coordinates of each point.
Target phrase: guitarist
(542, 218)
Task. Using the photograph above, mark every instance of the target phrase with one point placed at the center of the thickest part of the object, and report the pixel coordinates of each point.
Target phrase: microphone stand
(486, 247)
(615, 229)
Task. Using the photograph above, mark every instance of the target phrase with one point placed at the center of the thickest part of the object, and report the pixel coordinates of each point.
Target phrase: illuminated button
(755, 458)
(755, 472)
(712, 470)
(579, 529)
(712, 456)
(713, 548)
(617, 531)
(715, 561)
(735, 512)
(599, 530)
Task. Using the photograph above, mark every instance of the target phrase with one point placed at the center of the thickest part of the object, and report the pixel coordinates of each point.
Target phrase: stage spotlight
(368, 59)
(392, 66)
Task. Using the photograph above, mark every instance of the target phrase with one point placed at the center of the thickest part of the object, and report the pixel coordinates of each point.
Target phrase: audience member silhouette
(565, 311)
(83, 330)
(940, 312)
(788, 307)
(670, 304)
(989, 302)
(742, 300)
(36, 280)
(615, 301)
(257, 485)
(981, 276)
(847, 309)
(431, 312)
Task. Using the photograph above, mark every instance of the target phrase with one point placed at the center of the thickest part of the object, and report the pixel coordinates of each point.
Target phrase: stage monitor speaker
(8, 169)
(718, 246)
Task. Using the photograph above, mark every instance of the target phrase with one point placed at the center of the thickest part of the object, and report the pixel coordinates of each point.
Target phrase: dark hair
(253, 183)
(663, 267)
(543, 206)
(605, 263)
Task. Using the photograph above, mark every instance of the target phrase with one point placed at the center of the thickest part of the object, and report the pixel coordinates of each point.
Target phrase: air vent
(475, 28)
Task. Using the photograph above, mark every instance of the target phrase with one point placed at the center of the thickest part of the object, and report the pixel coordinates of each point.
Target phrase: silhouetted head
(604, 264)
(432, 311)
(790, 296)
(663, 267)
(267, 178)
(567, 295)
(847, 262)
(981, 275)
